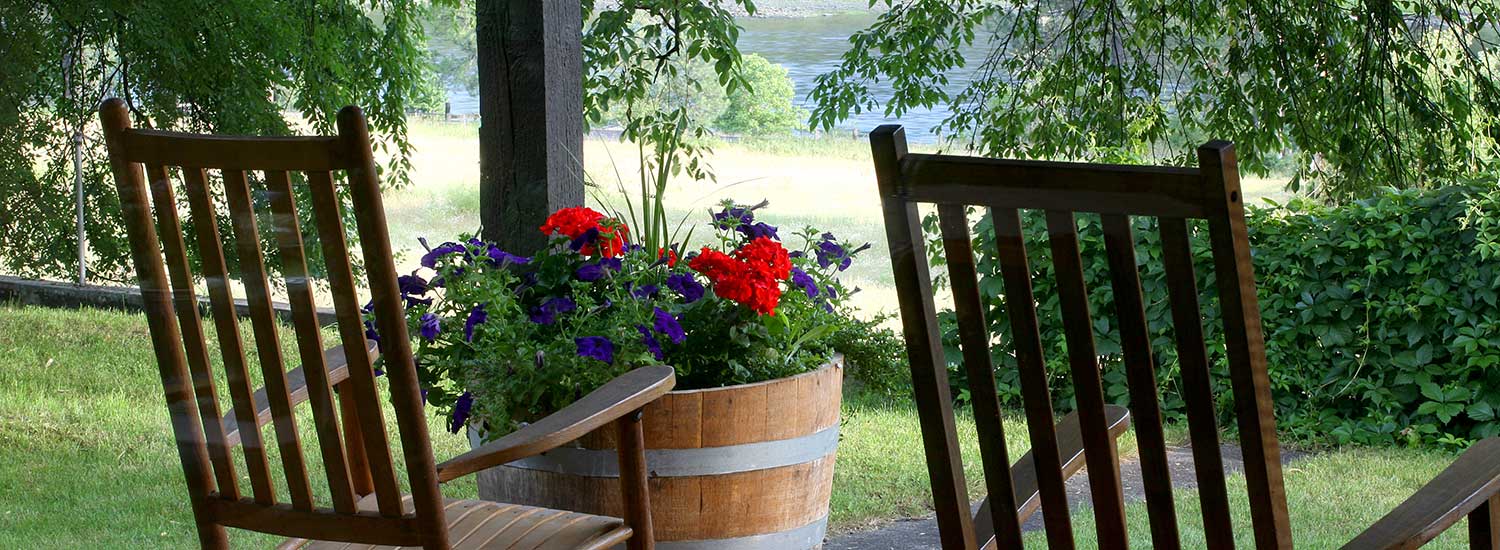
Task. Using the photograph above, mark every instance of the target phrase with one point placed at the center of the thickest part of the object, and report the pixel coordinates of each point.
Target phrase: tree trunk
(531, 112)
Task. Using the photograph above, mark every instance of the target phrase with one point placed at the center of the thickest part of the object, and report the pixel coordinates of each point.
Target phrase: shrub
(1380, 316)
(765, 107)
(692, 87)
(875, 355)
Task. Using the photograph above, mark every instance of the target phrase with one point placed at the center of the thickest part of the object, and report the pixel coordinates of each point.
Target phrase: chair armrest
(1024, 475)
(334, 360)
(1468, 483)
(619, 397)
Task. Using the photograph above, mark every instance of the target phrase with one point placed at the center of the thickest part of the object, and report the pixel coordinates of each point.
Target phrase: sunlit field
(825, 183)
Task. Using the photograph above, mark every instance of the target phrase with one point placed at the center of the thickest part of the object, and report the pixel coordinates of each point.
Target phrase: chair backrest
(1116, 193)
(357, 461)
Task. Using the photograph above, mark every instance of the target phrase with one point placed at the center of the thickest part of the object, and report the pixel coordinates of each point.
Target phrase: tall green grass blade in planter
(741, 455)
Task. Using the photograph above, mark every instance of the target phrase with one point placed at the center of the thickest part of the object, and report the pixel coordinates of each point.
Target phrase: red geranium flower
(669, 254)
(749, 283)
(767, 256)
(576, 221)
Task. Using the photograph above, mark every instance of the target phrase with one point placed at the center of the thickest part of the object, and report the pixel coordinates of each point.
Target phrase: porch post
(531, 108)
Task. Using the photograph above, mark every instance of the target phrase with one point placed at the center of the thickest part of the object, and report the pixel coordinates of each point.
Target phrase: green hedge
(1380, 316)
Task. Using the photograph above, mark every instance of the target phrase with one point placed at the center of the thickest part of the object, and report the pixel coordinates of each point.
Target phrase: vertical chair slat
(1020, 305)
(267, 342)
(1088, 388)
(186, 304)
(166, 340)
(354, 441)
(1197, 387)
(1004, 524)
(401, 369)
(309, 341)
(1140, 374)
(360, 400)
(226, 324)
(924, 345)
(1245, 346)
(1484, 525)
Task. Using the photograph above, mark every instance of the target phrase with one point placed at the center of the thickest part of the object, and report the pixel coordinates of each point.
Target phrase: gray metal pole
(83, 266)
(83, 243)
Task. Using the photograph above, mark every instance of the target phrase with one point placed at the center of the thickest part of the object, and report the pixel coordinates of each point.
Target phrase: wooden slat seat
(478, 524)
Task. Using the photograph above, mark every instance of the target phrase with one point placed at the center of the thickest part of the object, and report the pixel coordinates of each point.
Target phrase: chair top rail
(294, 153)
(1102, 188)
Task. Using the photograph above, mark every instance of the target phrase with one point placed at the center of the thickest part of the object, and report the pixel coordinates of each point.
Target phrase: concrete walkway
(922, 533)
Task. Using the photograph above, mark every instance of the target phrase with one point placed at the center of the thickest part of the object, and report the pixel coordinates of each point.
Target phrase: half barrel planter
(734, 468)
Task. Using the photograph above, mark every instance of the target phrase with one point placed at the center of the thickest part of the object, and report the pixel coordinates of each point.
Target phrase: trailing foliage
(1400, 93)
(1380, 316)
(229, 67)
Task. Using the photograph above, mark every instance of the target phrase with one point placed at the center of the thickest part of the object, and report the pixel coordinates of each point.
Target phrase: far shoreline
(799, 9)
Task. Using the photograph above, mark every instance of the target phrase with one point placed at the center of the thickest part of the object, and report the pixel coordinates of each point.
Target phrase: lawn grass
(86, 456)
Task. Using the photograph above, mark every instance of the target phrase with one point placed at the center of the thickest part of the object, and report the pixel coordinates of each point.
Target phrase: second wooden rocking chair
(1086, 438)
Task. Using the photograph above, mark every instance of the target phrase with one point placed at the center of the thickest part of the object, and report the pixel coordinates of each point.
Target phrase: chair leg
(633, 484)
(212, 536)
(1484, 526)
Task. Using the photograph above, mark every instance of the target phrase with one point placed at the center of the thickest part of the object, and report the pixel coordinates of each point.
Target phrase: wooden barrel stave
(759, 508)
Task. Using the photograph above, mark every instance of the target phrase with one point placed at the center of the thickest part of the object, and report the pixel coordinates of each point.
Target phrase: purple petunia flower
(645, 291)
(831, 252)
(802, 279)
(584, 239)
(412, 288)
(613, 264)
(759, 229)
(461, 412)
(428, 326)
(833, 292)
(370, 331)
(590, 273)
(502, 258)
(649, 339)
(546, 314)
(596, 347)
(733, 217)
(684, 284)
(666, 324)
(477, 316)
(429, 260)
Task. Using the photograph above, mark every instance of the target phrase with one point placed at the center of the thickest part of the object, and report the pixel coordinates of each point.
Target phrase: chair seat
(475, 524)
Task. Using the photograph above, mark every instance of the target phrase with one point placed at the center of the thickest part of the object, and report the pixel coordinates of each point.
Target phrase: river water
(809, 47)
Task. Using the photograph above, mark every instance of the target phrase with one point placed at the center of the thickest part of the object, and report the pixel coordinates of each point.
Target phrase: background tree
(765, 105)
(1362, 94)
(221, 66)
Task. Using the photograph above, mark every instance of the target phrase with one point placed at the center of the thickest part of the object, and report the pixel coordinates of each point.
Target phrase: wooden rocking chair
(1210, 192)
(367, 505)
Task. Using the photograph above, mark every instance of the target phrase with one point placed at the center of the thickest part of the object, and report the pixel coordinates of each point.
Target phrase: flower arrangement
(504, 339)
